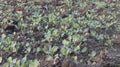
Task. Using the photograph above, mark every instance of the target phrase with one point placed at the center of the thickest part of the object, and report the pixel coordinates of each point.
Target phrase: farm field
(59, 33)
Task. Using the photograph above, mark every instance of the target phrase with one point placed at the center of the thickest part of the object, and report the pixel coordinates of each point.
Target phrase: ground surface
(60, 33)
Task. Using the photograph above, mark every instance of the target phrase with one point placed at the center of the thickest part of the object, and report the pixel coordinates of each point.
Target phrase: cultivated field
(60, 33)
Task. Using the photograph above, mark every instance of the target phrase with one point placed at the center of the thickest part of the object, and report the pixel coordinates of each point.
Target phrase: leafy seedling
(84, 49)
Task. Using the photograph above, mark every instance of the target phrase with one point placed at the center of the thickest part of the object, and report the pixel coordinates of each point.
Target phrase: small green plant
(49, 50)
(84, 50)
(21, 63)
(8, 45)
(66, 51)
(92, 54)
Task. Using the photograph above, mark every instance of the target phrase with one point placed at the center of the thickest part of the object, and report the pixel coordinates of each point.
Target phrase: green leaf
(75, 58)
(66, 51)
(24, 65)
(65, 42)
(14, 60)
(18, 63)
(38, 49)
(84, 49)
(34, 63)
(6, 65)
(75, 38)
(28, 49)
(54, 48)
(81, 60)
(93, 53)
(77, 48)
(3, 36)
(100, 4)
(24, 60)
(55, 33)
(0, 59)
(49, 58)
(10, 59)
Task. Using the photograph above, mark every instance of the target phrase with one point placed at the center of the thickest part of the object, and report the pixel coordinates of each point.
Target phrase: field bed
(60, 33)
